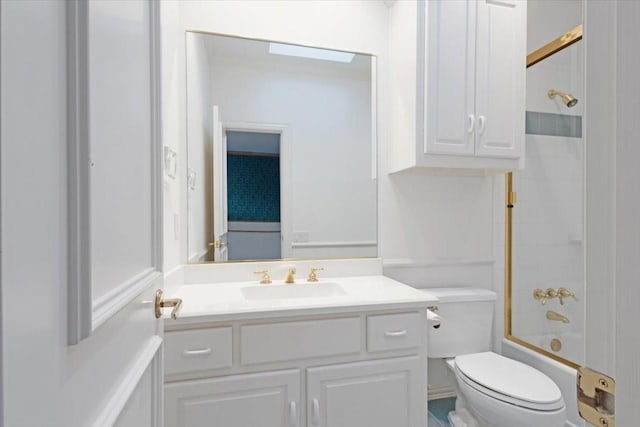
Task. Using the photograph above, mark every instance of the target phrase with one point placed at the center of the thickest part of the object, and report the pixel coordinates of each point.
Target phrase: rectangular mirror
(280, 151)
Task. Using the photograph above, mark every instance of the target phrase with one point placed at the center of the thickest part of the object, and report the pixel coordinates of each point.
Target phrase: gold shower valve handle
(565, 293)
(539, 294)
(160, 303)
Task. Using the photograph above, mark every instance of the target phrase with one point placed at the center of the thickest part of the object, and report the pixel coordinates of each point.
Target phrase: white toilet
(492, 390)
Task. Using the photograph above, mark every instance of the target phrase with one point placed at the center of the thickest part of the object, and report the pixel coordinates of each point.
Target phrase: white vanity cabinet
(350, 369)
(460, 65)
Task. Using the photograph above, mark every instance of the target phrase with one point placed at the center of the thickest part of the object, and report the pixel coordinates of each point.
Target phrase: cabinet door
(500, 78)
(268, 399)
(450, 77)
(382, 393)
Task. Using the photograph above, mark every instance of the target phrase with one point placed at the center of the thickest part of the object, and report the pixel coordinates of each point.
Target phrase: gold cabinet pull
(160, 303)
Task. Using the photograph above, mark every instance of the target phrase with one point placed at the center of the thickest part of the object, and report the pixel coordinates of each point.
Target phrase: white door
(500, 84)
(379, 393)
(269, 399)
(81, 214)
(220, 219)
(450, 97)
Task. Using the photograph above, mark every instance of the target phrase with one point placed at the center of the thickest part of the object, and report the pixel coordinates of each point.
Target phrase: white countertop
(225, 301)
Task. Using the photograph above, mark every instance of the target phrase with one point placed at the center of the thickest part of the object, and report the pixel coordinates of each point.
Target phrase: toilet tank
(467, 322)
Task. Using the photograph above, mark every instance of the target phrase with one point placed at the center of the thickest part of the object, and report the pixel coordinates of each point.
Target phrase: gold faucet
(290, 277)
(313, 277)
(552, 315)
(265, 279)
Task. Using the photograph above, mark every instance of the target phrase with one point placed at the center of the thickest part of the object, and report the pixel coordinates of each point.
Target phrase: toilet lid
(509, 380)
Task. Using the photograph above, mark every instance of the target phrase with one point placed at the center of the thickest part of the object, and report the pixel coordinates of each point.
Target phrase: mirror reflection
(281, 159)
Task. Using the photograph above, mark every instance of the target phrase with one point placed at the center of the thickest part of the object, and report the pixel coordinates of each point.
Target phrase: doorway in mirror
(253, 194)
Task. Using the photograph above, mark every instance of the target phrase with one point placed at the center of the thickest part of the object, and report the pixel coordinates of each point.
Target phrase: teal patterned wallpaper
(253, 188)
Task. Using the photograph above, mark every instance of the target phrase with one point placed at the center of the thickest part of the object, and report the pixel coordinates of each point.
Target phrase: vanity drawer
(197, 350)
(299, 340)
(394, 331)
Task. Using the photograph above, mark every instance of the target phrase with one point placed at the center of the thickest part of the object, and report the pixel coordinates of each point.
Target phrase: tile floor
(438, 411)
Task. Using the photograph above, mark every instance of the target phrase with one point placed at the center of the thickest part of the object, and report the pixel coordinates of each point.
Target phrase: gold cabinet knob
(160, 303)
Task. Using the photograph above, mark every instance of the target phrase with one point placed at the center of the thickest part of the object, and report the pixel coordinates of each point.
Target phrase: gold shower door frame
(538, 55)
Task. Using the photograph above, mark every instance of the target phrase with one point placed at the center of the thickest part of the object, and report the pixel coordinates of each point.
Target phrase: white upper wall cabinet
(458, 84)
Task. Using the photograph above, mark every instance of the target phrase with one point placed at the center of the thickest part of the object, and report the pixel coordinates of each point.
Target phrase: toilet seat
(509, 381)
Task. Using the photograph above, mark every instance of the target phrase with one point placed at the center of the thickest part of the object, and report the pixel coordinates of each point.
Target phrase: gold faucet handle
(265, 279)
(552, 293)
(313, 277)
(539, 294)
(565, 293)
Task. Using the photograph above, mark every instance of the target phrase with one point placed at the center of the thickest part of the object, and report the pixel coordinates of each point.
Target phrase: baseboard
(440, 392)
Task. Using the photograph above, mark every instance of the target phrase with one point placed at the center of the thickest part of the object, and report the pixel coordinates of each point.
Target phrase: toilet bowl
(502, 392)
(492, 390)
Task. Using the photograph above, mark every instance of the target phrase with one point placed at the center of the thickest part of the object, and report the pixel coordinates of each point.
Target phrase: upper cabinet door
(450, 77)
(500, 78)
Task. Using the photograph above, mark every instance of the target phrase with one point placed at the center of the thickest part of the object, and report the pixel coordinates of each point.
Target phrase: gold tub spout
(552, 315)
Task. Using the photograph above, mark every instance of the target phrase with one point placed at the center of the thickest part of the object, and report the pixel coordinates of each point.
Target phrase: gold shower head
(567, 98)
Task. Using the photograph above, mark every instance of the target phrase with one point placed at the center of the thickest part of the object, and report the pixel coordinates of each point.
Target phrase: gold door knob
(160, 303)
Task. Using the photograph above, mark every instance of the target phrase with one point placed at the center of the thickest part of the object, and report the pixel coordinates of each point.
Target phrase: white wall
(199, 133)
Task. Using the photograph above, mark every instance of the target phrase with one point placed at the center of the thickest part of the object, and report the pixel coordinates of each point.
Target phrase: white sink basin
(301, 290)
